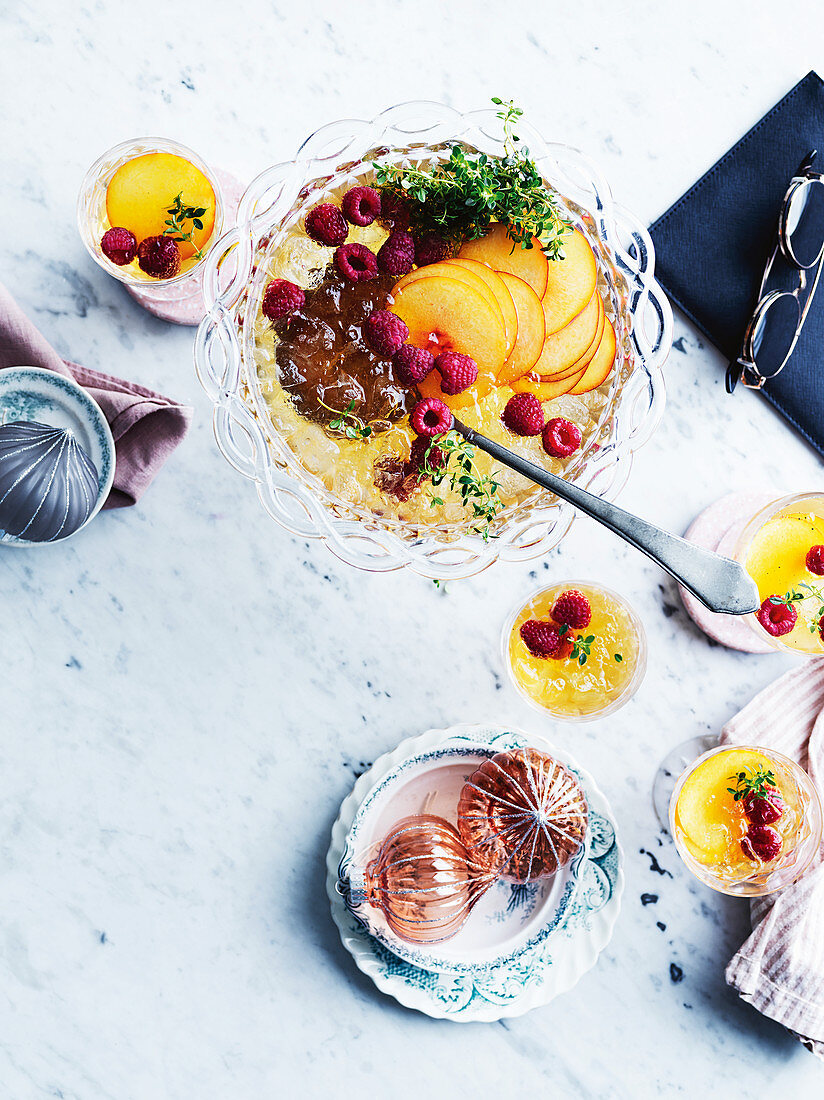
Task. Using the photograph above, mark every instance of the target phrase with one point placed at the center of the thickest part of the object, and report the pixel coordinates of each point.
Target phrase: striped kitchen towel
(780, 968)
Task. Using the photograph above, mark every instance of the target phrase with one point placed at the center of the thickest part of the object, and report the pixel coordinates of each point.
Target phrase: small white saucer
(34, 393)
(534, 972)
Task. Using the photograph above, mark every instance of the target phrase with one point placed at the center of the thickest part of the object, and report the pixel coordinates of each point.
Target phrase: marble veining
(188, 692)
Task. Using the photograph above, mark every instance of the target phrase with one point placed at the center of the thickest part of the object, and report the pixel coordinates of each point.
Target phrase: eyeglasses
(779, 315)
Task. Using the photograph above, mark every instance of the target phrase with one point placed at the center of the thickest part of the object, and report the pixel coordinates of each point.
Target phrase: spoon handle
(719, 583)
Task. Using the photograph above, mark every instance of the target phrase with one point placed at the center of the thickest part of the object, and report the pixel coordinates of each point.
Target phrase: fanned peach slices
(530, 323)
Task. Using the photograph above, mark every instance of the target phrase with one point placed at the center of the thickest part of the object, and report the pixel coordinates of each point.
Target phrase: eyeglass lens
(804, 226)
(774, 333)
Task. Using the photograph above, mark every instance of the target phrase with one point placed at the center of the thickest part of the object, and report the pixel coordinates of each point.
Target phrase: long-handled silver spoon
(719, 583)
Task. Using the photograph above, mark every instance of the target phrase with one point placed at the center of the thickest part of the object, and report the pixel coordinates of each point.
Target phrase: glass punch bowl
(235, 277)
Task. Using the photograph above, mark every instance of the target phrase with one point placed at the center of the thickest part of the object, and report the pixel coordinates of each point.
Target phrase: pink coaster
(718, 528)
(182, 303)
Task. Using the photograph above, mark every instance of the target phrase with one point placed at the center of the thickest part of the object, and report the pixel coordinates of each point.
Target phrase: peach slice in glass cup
(152, 189)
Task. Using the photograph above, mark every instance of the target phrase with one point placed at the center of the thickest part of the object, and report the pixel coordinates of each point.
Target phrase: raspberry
(430, 249)
(412, 364)
(356, 262)
(361, 205)
(777, 618)
(540, 638)
(397, 254)
(764, 809)
(119, 245)
(561, 438)
(418, 457)
(458, 371)
(523, 415)
(326, 225)
(762, 842)
(394, 211)
(815, 557)
(159, 257)
(431, 417)
(565, 648)
(572, 608)
(281, 298)
(384, 333)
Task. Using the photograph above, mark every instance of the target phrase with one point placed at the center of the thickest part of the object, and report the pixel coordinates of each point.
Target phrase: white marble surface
(187, 692)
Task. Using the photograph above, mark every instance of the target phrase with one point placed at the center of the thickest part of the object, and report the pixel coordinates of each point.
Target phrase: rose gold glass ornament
(423, 879)
(523, 814)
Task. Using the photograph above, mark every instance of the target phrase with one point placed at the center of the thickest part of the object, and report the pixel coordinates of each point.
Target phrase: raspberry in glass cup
(746, 820)
(575, 650)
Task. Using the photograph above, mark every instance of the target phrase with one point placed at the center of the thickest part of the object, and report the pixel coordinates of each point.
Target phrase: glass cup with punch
(149, 211)
(746, 820)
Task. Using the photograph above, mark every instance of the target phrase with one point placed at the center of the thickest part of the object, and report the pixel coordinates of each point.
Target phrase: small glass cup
(626, 674)
(803, 830)
(93, 222)
(801, 639)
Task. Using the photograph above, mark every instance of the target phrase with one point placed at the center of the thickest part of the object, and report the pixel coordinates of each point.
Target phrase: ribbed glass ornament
(48, 484)
(424, 880)
(523, 814)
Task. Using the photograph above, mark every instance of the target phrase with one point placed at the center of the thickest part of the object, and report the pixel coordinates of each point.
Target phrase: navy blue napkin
(711, 247)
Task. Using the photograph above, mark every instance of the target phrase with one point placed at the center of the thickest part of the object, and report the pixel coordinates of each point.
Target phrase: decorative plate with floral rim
(542, 966)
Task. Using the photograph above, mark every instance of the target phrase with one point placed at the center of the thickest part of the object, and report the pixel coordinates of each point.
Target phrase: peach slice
(570, 282)
(499, 288)
(446, 314)
(601, 363)
(548, 389)
(497, 250)
(530, 329)
(534, 383)
(566, 346)
(141, 191)
(431, 387)
(586, 358)
(445, 270)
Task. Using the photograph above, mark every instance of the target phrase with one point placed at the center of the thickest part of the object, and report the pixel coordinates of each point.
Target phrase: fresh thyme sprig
(757, 784)
(461, 197)
(581, 646)
(347, 422)
(478, 492)
(179, 213)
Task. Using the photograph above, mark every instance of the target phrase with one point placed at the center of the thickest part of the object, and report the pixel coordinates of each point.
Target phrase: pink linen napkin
(780, 968)
(146, 426)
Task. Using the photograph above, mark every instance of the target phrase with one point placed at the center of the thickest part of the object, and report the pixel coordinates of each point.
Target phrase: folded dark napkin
(711, 247)
(145, 425)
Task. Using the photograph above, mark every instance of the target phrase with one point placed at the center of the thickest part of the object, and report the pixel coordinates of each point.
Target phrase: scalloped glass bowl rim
(629, 289)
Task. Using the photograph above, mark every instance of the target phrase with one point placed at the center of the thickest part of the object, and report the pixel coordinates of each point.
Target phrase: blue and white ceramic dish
(509, 919)
(536, 971)
(36, 394)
